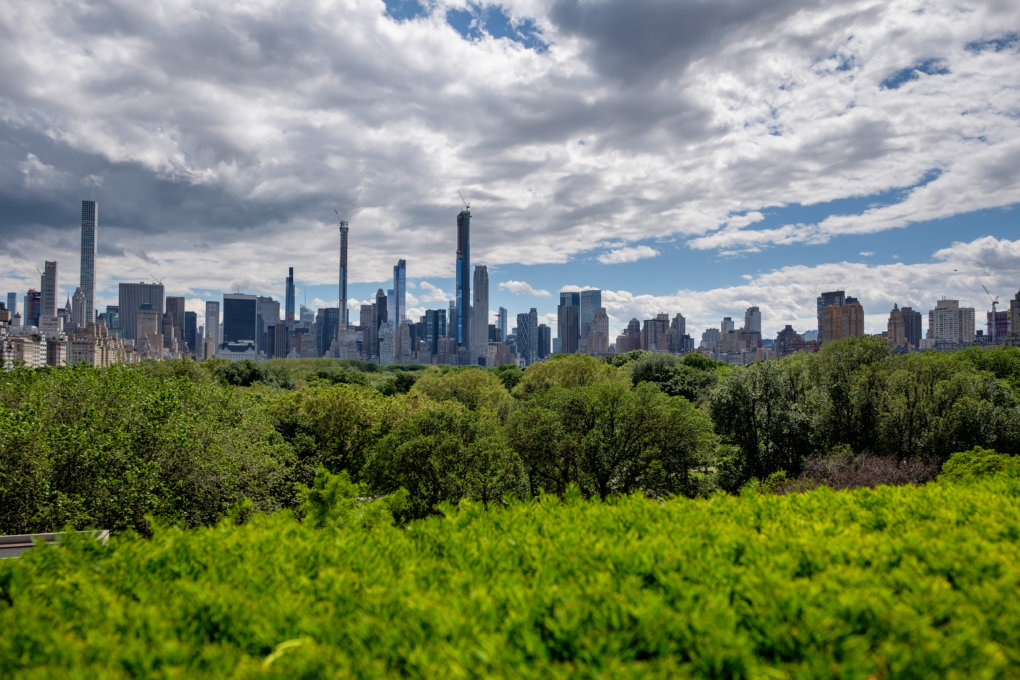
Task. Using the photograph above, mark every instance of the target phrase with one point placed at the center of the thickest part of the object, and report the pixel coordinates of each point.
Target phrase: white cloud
(430, 293)
(866, 253)
(523, 288)
(627, 255)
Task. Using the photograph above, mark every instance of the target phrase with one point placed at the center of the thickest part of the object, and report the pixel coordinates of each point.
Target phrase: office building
(382, 315)
(240, 319)
(173, 320)
(12, 303)
(343, 316)
(1014, 319)
(527, 337)
(78, 310)
(212, 327)
(89, 223)
(598, 339)
(461, 328)
(480, 314)
(568, 322)
(327, 322)
(267, 312)
(435, 328)
(544, 342)
(130, 298)
(589, 301)
(655, 334)
(191, 333)
(727, 325)
(630, 339)
(49, 290)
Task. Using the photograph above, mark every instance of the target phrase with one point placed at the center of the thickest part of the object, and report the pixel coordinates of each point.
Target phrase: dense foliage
(910, 581)
(185, 442)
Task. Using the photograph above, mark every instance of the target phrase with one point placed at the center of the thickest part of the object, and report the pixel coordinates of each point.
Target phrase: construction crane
(995, 320)
(463, 200)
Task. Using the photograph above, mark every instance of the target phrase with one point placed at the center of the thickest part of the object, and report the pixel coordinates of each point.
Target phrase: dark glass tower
(463, 321)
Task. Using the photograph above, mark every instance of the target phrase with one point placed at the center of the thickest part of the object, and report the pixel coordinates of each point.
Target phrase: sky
(691, 156)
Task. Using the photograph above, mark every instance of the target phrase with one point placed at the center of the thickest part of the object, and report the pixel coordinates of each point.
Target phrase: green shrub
(979, 462)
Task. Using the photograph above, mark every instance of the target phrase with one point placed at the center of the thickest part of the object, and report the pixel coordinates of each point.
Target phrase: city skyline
(704, 162)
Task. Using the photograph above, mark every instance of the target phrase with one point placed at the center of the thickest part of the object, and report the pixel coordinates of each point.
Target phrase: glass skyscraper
(463, 301)
(399, 293)
(89, 219)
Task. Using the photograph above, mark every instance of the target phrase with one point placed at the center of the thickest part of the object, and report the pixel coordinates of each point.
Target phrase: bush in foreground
(890, 582)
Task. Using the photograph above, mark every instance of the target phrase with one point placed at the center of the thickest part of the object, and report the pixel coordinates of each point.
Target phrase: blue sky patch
(404, 10)
(929, 67)
(477, 21)
(1003, 42)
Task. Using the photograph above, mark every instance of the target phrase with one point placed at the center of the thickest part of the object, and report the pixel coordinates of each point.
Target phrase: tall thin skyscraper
(480, 313)
(290, 300)
(399, 311)
(463, 330)
(212, 327)
(343, 274)
(12, 303)
(89, 222)
(501, 324)
(49, 290)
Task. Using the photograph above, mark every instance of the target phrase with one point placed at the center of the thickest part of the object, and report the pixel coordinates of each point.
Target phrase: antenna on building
(462, 200)
(156, 279)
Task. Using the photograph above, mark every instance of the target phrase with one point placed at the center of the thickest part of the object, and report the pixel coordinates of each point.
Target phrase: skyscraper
(343, 274)
(911, 326)
(501, 324)
(951, 323)
(89, 221)
(240, 318)
(527, 337)
(435, 328)
(590, 300)
(896, 334)
(33, 307)
(835, 297)
(48, 284)
(289, 302)
(399, 311)
(191, 332)
(752, 319)
(130, 298)
(212, 327)
(568, 322)
(463, 331)
(480, 314)
(12, 303)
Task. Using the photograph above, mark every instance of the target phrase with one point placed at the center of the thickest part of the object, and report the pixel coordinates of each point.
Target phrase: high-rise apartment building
(896, 332)
(212, 327)
(49, 290)
(89, 223)
(598, 343)
(78, 309)
(399, 293)
(835, 297)
(727, 325)
(752, 319)
(480, 314)
(842, 321)
(950, 323)
(462, 329)
(130, 298)
(911, 326)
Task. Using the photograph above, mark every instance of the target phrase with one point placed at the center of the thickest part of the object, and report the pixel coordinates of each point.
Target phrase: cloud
(627, 255)
(866, 253)
(430, 293)
(522, 288)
